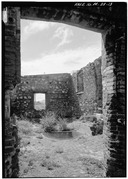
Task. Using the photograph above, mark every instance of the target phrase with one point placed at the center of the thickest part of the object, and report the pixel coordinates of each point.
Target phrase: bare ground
(41, 156)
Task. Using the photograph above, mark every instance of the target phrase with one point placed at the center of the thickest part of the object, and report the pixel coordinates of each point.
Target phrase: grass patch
(47, 156)
(31, 162)
(49, 164)
(25, 170)
(59, 150)
(24, 127)
(25, 142)
(94, 167)
(39, 136)
(38, 130)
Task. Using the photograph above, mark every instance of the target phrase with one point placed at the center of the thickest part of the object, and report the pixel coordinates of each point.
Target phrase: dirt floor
(42, 156)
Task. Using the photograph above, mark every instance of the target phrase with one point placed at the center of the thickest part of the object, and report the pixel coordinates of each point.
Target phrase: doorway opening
(58, 59)
(51, 47)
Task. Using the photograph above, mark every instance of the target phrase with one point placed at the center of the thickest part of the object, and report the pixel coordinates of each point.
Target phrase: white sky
(49, 47)
(39, 97)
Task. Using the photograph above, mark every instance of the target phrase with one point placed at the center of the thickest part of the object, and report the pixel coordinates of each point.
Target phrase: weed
(34, 115)
(39, 137)
(26, 131)
(50, 165)
(63, 125)
(49, 122)
(93, 166)
(59, 150)
(26, 170)
(47, 156)
(52, 123)
(24, 127)
(38, 130)
(30, 163)
(97, 127)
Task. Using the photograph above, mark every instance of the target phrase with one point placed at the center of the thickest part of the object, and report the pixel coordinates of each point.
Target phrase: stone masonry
(90, 95)
(60, 94)
(109, 19)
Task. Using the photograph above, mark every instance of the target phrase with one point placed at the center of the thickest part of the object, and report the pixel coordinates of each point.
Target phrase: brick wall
(11, 144)
(90, 95)
(11, 61)
(113, 70)
(12, 48)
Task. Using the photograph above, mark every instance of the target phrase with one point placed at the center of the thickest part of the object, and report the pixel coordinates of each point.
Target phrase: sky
(49, 47)
(39, 97)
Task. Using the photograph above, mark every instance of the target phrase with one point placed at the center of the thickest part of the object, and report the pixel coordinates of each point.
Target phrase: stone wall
(88, 86)
(59, 90)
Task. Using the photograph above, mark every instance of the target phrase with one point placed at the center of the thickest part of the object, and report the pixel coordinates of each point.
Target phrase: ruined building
(88, 87)
(58, 88)
(71, 96)
(109, 19)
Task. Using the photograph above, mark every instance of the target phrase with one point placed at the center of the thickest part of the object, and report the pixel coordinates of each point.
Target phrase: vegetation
(97, 127)
(52, 123)
(24, 127)
(49, 164)
(59, 150)
(41, 156)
